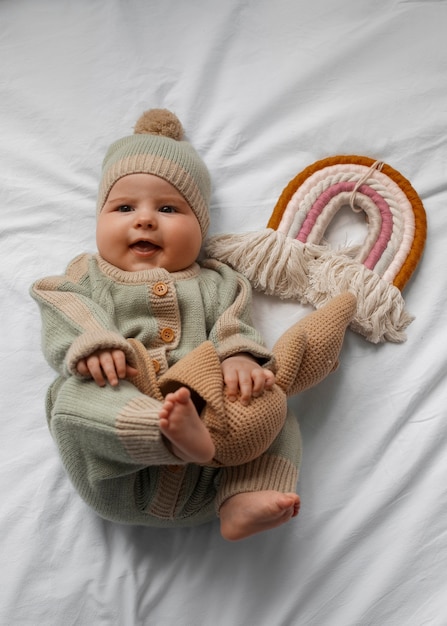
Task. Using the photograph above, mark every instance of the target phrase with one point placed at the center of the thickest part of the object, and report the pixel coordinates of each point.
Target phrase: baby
(162, 378)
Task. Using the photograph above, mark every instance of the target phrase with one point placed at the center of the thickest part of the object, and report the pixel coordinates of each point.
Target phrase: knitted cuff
(264, 473)
(91, 341)
(236, 345)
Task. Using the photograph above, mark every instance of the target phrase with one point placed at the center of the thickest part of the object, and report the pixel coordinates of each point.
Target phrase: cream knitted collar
(144, 276)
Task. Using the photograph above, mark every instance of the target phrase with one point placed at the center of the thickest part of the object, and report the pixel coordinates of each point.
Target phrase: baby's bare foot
(245, 514)
(181, 425)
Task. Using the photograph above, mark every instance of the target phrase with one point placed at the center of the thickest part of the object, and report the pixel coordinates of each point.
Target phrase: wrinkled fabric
(263, 90)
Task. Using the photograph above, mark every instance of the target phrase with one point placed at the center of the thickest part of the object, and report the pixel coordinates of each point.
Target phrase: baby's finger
(245, 389)
(95, 371)
(231, 386)
(270, 378)
(131, 372)
(119, 361)
(81, 368)
(259, 382)
(107, 364)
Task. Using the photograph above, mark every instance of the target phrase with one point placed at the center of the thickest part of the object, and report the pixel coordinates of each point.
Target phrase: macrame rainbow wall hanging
(291, 258)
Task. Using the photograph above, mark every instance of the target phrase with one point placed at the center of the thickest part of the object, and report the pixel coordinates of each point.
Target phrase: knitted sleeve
(73, 325)
(232, 330)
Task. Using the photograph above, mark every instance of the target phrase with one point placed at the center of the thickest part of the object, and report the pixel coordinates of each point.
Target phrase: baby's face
(146, 223)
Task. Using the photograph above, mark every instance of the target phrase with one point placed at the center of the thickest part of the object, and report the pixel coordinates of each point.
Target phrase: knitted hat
(158, 147)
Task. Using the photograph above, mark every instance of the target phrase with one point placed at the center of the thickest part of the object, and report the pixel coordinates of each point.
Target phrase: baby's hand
(244, 377)
(106, 365)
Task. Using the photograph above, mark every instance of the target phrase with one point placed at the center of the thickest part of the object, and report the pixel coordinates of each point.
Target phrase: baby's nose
(146, 219)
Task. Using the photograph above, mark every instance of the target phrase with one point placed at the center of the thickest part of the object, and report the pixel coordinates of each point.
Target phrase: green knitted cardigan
(108, 438)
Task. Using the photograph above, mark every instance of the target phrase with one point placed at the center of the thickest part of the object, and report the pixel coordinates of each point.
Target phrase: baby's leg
(261, 495)
(180, 423)
(245, 514)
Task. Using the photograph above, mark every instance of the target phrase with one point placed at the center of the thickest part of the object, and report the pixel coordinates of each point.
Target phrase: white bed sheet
(264, 89)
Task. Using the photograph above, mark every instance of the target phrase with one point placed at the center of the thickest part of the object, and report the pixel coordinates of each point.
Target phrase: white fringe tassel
(380, 315)
(278, 265)
(274, 263)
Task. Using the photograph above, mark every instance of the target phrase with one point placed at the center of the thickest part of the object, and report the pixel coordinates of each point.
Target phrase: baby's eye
(124, 208)
(167, 209)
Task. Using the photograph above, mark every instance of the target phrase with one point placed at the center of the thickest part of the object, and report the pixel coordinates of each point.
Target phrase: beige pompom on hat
(158, 147)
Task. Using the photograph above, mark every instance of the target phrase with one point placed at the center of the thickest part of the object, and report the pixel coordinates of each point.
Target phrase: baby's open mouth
(144, 246)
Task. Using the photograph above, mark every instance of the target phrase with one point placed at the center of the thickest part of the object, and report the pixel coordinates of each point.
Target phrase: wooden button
(167, 335)
(175, 468)
(156, 365)
(160, 289)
